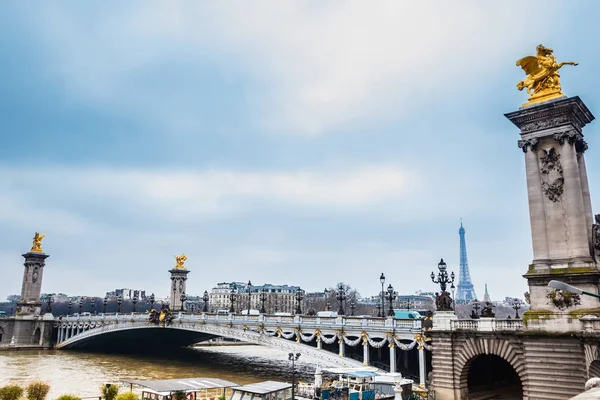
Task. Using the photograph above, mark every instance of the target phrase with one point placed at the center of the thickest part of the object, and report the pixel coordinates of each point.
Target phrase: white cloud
(316, 66)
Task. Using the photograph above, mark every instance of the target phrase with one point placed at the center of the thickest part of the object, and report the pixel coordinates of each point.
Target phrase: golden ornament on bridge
(37, 243)
(180, 260)
(542, 81)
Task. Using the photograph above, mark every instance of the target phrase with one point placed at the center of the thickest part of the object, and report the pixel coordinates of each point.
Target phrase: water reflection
(82, 373)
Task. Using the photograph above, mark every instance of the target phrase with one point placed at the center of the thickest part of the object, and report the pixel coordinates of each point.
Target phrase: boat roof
(355, 372)
(263, 387)
(185, 384)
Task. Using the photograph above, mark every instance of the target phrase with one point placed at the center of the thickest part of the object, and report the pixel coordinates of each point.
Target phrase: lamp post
(443, 302)
(475, 311)
(452, 289)
(390, 298)
(382, 280)
(232, 300)
(352, 305)
(192, 306)
(134, 301)
(263, 298)
(104, 303)
(93, 305)
(341, 296)
(299, 298)
(81, 304)
(275, 307)
(378, 307)
(119, 301)
(293, 358)
(516, 306)
(183, 299)
(49, 302)
(205, 299)
(249, 287)
(408, 304)
(70, 305)
(152, 299)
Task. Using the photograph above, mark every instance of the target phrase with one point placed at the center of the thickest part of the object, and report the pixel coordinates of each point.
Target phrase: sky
(302, 143)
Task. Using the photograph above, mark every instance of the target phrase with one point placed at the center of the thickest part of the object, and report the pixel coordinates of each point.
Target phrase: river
(82, 373)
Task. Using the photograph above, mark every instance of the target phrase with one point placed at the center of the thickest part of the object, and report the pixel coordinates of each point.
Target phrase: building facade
(278, 298)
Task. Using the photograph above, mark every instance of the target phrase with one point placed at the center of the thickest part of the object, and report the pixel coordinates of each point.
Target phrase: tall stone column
(392, 357)
(35, 260)
(559, 200)
(178, 281)
(342, 348)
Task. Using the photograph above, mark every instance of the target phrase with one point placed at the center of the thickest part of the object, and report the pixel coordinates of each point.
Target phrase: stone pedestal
(442, 320)
(32, 283)
(559, 200)
(178, 286)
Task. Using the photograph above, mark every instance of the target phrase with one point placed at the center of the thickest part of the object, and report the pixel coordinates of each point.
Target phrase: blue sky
(284, 142)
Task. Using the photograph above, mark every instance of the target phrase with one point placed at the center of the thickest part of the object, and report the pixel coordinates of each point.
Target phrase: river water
(82, 373)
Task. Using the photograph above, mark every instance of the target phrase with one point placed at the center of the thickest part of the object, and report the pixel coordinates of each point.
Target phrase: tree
(37, 390)
(68, 397)
(11, 392)
(128, 396)
(109, 392)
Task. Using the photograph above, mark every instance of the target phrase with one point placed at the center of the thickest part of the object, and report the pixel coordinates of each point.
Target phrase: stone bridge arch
(474, 347)
(210, 331)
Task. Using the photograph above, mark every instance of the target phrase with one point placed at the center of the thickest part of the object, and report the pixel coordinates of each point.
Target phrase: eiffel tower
(465, 291)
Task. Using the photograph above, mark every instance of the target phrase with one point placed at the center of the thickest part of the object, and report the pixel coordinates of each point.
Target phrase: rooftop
(185, 384)
(264, 387)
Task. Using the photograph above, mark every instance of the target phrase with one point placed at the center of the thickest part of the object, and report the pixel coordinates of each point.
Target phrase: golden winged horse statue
(542, 81)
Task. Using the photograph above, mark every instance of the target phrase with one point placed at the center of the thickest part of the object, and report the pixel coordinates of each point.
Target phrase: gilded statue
(37, 243)
(542, 81)
(180, 261)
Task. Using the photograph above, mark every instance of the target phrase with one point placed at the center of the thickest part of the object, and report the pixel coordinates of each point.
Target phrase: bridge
(297, 333)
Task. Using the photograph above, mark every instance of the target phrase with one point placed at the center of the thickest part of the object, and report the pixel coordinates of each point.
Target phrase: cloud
(314, 67)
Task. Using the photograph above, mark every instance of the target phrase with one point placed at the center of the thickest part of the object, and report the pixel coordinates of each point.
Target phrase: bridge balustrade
(487, 324)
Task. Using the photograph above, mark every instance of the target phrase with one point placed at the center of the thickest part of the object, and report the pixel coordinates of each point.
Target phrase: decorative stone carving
(443, 301)
(527, 297)
(562, 300)
(596, 238)
(544, 123)
(572, 137)
(488, 310)
(552, 175)
(528, 143)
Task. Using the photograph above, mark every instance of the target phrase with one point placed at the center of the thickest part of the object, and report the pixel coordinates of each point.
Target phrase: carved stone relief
(596, 238)
(544, 123)
(528, 144)
(552, 175)
(562, 300)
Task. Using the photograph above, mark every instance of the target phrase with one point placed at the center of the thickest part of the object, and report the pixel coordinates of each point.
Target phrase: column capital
(526, 144)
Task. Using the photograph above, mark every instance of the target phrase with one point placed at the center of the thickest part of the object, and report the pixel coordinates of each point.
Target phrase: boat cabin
(267, 390)
(194, 388)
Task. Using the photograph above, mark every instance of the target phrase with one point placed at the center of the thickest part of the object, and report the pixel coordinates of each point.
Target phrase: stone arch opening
(594, 370)
(491, 375)
(37, 335)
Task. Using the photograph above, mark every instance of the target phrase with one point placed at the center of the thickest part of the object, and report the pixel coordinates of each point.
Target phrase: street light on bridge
(152, 299)
(516, 305)
(104, 303)
(341, 296)
(119, 301)
(299, 298)
(81, 299)
(205, 299)
(70, 305)
(232, 299)
(183, 298)
(249, 286)
(49, 302)
(134, 301)
(382, 280)
(352, 305)
(93, 305)
(390, 298)
(263, 298)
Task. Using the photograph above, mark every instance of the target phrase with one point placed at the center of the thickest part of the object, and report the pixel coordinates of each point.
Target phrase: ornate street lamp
(192, 306)
(452, 289)
(299, 298)
(152, 299)
(104, 303)
(183, 299)
(352, 305)
(408, 304)
(263, 298)
(205, 298)
(275, 305)
(475, 311)
(134, 301)
(81, 304)
(516, 306)
(293, 358)
(443, 300)
(382, 280)
(249, 286)
(49, 302)
(232, 299)
(378, 307)
(390, 298)
(70, 305)
(119, 301)
(340, 297)
(93, 305)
